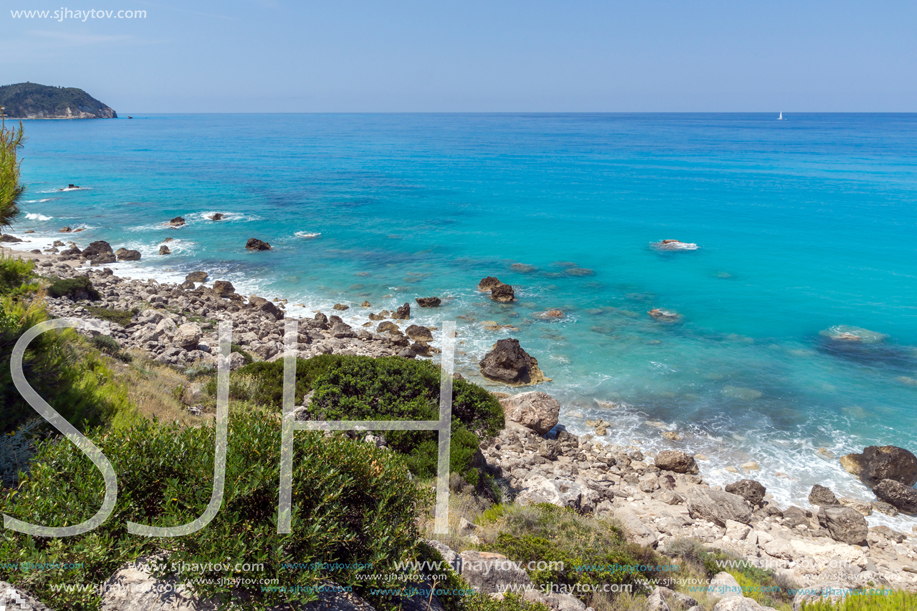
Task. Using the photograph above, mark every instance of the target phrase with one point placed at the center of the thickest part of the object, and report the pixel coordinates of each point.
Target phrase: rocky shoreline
(657, 498)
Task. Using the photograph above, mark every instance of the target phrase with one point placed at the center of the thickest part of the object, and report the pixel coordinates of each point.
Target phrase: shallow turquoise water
(801, 225)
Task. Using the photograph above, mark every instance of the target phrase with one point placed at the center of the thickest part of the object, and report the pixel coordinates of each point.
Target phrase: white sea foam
(305, 234)
(34, 216)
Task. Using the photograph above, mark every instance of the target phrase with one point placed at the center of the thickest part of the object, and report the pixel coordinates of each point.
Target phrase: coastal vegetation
(390, 388)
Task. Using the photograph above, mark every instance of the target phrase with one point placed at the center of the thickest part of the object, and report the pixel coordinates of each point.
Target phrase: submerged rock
(509, 364)
(877, 463)
(256, 244)
(674, 245)
(664, 315)
(217, 217)
(845, 333)
(428, 302)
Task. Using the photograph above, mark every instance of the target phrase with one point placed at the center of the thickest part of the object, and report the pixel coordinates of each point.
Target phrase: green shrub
(74, 288)
(867, 600)
(13, 273)
(74, 380)
(121, 317)
(352, 504)
(105, 343)
(245, 355)
(585, 550)
(391, 388)
(757, 583)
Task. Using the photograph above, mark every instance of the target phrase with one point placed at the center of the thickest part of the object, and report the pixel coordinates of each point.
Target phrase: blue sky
(496, 55)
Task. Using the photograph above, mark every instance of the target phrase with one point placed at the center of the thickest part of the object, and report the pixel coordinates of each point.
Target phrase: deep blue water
(801, 225)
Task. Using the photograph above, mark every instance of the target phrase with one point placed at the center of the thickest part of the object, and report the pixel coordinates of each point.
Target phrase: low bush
(121, 317)
(59, 365)
(13, 273)
(867, 600)
(757, 583)
(353, 504)
(245, 355)
(77, 289)
(392, 388)
(585, 551)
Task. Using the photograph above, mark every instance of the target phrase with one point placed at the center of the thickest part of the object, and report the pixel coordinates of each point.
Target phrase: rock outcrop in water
(509, 364)
(256, 244)
(877, 463)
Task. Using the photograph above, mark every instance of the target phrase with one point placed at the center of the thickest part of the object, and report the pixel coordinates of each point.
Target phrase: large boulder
(535, 410)
(428, 302)
(103, 258)
(740, 603)
(822, 496)
(388, 326)
(9, 238)
(419, 334)
(561, 493)
(256, 244)
(177, 222)
(896, 494)
(844, 524)
(717, 506)
(748, 489)
(503, 293)
(124, 254)
(197, 277)
(509, 364)
(188, 336)
(882, 462)
(402, 313)
(636, 530)
(223, 288)
(676, 461)
(14, 599)
(724, 586)
(492, 573)
(164, 250)
(488, 283)
(95, 249)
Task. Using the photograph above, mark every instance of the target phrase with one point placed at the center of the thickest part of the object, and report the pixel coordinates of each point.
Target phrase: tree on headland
(10, 189)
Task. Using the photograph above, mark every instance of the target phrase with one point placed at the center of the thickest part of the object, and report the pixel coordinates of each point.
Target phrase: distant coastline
(27, 101)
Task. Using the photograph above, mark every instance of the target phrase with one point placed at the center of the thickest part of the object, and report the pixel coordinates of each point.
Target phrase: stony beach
(821, 542)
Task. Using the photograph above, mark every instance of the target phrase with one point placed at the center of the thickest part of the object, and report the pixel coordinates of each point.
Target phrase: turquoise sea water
(801, 225)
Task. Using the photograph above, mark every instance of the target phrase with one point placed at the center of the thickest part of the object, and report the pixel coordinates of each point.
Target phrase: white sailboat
(780, 118)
